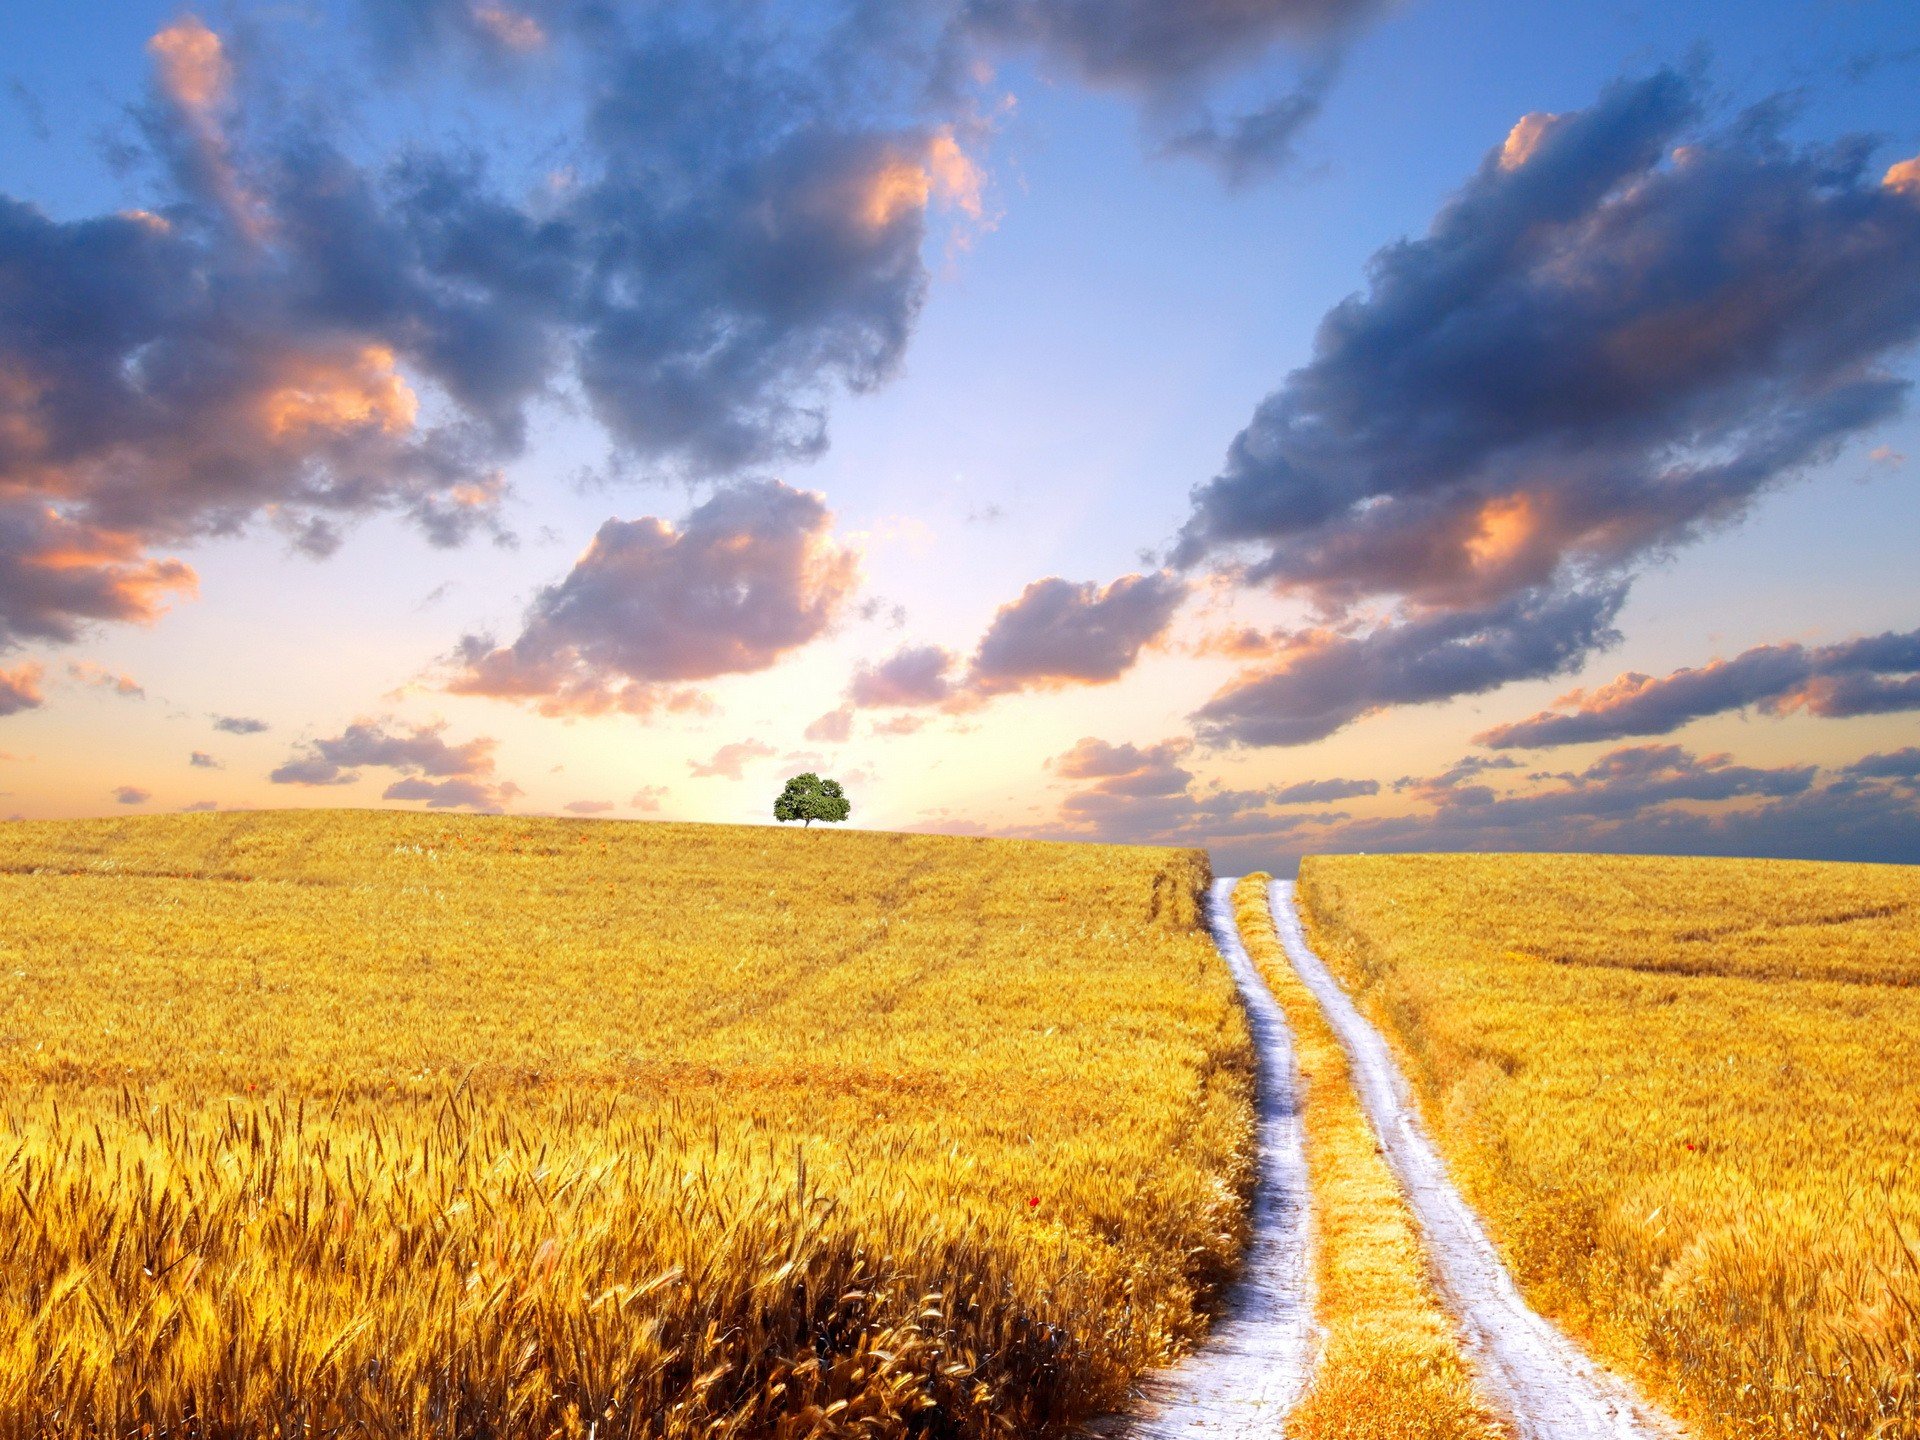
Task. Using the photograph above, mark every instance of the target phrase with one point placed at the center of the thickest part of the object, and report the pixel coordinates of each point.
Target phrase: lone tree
(809, 798)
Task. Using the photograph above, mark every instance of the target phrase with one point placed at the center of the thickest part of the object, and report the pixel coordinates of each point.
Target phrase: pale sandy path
(1549, 1389)
(1257, 1358)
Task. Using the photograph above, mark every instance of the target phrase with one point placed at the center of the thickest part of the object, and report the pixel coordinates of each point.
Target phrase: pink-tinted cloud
(752, 575)
(20, 688)
(729, 761)
(99, 677)
(914, 675)
(444, 775)
(832, 728)
(1658, 799)
(1056, 634)
(1622, 331)
(131, 795)
(1876, 674)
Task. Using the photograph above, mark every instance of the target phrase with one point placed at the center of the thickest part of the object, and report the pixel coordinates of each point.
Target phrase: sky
(1283, 426)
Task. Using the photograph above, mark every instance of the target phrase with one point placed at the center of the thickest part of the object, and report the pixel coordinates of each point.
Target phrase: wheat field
(377, 1124)
(1685, 1093)
(1391, 1366)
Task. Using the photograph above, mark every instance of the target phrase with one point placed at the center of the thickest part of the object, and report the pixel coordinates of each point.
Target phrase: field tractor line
(1549, 1389)
(1257, 1358)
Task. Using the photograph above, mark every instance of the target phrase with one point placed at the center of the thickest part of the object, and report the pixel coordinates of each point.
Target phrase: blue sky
(1067, 365)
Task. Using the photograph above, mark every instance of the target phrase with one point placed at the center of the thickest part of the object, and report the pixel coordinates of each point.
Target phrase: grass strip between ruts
(1391, 1367)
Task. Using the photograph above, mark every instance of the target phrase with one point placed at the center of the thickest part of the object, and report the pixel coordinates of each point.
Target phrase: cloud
(293, 336)
(1901, 764)
(832, 728)
(1868, 676)
(1059, 633)
(200, 807)
(588, 807)
(444, 775)
(1321, 792)
(914, 675)
(459, 792)
(239, 724)
(1149, 794)
(740, 236)
(86, 672)
(20, 688)
(1254, 143)
(647, 798)
(1653, 799)
(728, 760)
(1623, 330)
(58, 574)
(131, 795)
(751, 575)
(201, 760)
(311, 770)
(1326, 679)
(1170, 54)
(1126, 769)
(1056, 634)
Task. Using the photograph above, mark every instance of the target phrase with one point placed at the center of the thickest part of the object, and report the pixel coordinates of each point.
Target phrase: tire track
(1260, 1352)
(1548, 1387)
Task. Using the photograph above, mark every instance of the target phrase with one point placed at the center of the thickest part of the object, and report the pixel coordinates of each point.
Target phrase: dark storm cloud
(1621, 331)
(444, 775)
(1327, 679)
(1872, 675)
(20, 689)
(295, 335)
(752, 574)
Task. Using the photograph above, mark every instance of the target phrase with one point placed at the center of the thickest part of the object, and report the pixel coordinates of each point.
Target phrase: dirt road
(1261, 1350)
(1549, 1389)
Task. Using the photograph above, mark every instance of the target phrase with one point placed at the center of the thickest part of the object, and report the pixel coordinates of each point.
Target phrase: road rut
(1257, 1358)
(1549, 1389)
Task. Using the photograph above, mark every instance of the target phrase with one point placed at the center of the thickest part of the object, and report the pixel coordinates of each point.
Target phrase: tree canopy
(809, 798)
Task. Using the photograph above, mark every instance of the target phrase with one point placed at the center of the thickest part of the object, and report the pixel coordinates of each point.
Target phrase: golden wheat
(1685, 1094)
(393, 1125)
(1391, 1367)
